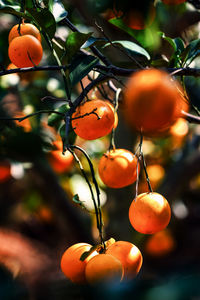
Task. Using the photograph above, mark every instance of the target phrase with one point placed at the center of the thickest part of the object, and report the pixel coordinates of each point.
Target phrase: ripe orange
(129, 255)
(25, 51)
(60, 162)
(152, 101)
(11, 66)
(97, 123)
(173, 2)
(72, 266)
(118, 168)
(149, 213)
(103, 268)
(25, 28)
(161, 243)
(4, 171)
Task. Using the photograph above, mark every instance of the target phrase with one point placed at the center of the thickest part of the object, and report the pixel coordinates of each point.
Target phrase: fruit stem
(141, 156)
(116, 103)
(97, 206)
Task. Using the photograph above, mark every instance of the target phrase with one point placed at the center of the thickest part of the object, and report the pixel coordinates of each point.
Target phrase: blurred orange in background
(161, 243)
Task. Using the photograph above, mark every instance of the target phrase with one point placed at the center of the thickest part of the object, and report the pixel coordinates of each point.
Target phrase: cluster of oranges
(25, 49)
(153, 102)
(120, 260)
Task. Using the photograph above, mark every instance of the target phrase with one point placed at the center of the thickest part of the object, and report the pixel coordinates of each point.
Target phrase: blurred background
(40, 218)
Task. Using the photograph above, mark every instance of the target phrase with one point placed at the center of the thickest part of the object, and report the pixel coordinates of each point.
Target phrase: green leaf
(71, 136)
(191, 51)
(67, 140)
(148, 37)
(132, 48)
(74, 41)
(28, 4)
(169, 40)
(180, 46)
(7, 3)
(62, 132)
(58, 10)
(54, 118)
(45, 19)
(92, 41)
(76, 199)
(15, 11)
(81, 66)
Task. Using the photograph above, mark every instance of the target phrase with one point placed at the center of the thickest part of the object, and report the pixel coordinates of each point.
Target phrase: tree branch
(32, 69)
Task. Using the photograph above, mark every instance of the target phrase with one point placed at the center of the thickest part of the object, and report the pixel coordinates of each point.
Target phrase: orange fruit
(103, 268)
(118, 168)
(72, 266)
(129, 255)
(149, 213)
(25, 51)
(152, 101)
(99, 121)
(25, 28)
(60, 162)
(173, 2)
(160, 243)
(11, 66)
(4, 171)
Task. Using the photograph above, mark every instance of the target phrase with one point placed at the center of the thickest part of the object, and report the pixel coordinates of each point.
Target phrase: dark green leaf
(169, 40)
(45, 19)
(62, 132)
(54, 118)
(92, 41)
(81, 66)
(76, 199)
(71, 137)
(179, 44)
(28, 4)
(87, 253)
(13, 11)
(74, 41)
(191, 51)
(132, 48)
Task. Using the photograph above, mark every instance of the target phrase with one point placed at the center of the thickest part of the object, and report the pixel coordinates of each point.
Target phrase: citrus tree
(99, 156)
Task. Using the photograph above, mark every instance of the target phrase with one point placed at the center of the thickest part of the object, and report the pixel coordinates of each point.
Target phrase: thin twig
(141, 156)
(31, 69)
(20, 119)
(99, 214)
